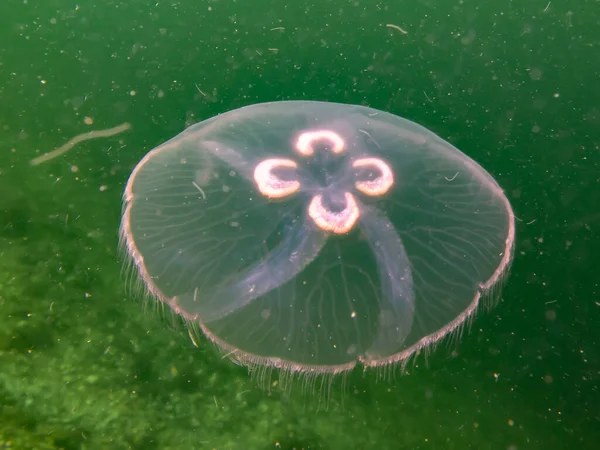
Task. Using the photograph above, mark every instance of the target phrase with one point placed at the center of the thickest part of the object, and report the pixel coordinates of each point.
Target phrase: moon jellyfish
(312, 237)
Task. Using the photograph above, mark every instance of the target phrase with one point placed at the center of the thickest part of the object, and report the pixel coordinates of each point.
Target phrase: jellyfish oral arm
(243, 166)
(397, 301)
(301, 245)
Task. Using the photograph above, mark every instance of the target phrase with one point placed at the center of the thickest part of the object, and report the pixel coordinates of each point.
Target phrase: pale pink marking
(336, 222)
(305, 141)
(269, 184)
(379, 185)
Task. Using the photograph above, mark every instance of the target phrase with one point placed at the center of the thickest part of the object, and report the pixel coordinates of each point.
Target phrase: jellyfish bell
(313, 237)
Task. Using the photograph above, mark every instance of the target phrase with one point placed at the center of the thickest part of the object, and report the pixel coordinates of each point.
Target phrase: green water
(514, 84)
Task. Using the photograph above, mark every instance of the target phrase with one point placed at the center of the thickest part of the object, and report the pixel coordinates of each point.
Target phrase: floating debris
(396, 27)
(80, 138)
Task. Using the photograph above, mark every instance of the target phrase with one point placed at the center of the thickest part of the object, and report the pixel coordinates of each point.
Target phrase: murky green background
(514, 84)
